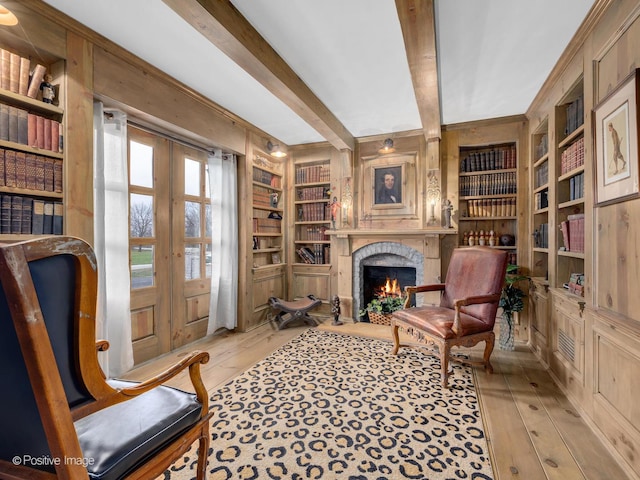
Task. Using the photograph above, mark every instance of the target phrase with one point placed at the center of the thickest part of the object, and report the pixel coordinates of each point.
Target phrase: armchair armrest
(434, 287)
(462, 302)
(193, 362)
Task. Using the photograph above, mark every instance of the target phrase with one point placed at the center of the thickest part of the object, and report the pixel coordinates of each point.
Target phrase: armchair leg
(203, 455)
(488, 348)
(396, 339)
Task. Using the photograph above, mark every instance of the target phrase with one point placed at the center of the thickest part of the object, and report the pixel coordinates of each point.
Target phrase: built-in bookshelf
(488, 191)
(540, 201)
(312, 207)
(31, 148)
(569, 177)
(267, 190)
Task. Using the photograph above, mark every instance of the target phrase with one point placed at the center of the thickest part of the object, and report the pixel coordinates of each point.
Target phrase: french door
(170, 243)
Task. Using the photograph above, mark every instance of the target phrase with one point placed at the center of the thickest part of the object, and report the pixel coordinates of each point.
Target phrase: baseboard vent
(566, 345)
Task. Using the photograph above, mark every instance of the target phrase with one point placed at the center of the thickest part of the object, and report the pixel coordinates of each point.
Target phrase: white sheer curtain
(224, 268)
(111, 227)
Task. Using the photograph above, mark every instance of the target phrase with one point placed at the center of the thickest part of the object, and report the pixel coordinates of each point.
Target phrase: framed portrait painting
(616, 144)
(389, 186)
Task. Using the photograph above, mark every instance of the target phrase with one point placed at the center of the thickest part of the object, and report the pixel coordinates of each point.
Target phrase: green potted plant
(511, 301)
(379, 310)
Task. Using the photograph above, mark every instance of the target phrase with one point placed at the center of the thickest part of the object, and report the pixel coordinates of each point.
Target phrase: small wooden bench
(285, 312)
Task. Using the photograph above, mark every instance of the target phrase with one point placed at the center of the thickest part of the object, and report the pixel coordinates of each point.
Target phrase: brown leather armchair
(467, 311)
(60, 418)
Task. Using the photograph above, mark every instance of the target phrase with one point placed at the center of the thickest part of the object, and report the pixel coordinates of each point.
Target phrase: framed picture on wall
(616, 143)
(388, 185)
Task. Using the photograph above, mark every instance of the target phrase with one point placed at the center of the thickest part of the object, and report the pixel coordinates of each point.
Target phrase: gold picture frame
(616, 126)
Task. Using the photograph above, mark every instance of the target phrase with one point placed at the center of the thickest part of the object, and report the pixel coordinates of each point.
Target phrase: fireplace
(382, 280)
(374, 263)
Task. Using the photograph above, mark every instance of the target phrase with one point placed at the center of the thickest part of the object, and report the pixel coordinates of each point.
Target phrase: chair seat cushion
(437, 321)
(118, 438)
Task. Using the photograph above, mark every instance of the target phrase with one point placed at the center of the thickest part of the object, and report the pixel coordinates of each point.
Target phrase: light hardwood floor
(533, 431)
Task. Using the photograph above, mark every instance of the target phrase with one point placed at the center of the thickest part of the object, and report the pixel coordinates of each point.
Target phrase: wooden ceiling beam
(417, 20)
(223, 25)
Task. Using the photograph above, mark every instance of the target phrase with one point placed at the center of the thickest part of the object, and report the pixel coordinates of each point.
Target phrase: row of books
(19, 126)
(575, 115)
(491, 207)
(30, 216)
(490, 184)
(266, 225)
(542, 199)
(16, 75)
(30, 171)
(576, 284)
(313, 174)
(542, 175)
(541, 236)
(573, 233)
(494, 159)
(572, 157)
(266, 178)
(313, 233)
(314, 212)
(319, 255)
(576, 186)
(265, 198)
(542, 148)
(312, 193)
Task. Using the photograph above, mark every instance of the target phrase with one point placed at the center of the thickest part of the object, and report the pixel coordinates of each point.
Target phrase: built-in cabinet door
(149, 247)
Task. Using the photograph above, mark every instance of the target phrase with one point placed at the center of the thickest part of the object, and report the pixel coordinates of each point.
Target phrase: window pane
(207, 185)
(192, 219)
(207, 212)
(141, 215)
(191, 177)
(192, 261)
(142, 266)
(141, 165)
(207, 260)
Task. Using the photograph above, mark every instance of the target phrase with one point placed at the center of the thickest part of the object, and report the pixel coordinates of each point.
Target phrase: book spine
(36, 80)
(23, 84)
(6, 69)
(23, 127)
(10, 168)
(27, 214)
(13, 124)
(5, 214)
(58, 214)
(14, 72)
(37, 217)
(48, 218)
(16, 214)
(4, 122)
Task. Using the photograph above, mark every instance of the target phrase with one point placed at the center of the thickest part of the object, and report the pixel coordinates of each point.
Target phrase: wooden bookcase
(312, 171)
(558, 197)
(312, 209)
(267, 212)
(31, 148)
(488, 192)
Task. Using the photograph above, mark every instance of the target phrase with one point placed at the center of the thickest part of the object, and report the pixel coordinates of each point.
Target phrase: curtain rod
(186, 143)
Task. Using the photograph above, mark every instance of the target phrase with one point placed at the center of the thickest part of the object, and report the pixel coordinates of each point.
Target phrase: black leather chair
(59, 416)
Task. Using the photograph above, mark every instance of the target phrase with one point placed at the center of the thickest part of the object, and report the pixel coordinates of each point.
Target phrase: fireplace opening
(381, 281)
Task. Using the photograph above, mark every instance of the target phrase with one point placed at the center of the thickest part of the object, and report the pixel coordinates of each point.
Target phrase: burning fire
(391, 288)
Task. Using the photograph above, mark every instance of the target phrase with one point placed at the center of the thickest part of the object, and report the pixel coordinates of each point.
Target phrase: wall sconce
(275, 150)
(433, 195)
(387, 147)
(347, 202)
(6, 17)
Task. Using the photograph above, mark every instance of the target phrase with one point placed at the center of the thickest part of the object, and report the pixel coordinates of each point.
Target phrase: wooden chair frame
(56, 415)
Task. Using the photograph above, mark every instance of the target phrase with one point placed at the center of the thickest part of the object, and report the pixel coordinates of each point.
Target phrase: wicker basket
(380, 318)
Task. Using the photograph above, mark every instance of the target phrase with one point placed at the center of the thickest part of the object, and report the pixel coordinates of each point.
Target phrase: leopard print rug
(333, 406)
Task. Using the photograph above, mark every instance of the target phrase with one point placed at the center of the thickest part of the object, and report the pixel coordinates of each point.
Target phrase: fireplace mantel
(364, 232)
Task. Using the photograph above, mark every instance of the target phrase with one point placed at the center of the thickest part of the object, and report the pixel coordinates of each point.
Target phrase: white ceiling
(493, 57)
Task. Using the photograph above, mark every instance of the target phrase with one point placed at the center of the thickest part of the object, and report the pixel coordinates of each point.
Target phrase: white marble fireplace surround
(407, 248)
